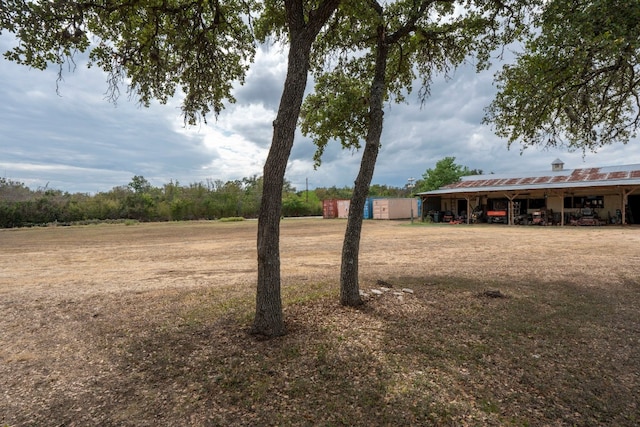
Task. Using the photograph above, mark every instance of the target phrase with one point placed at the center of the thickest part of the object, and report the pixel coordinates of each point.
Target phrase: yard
(146, 325)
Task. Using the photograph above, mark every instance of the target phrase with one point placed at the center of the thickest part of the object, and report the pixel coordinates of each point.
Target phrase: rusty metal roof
(567, 178)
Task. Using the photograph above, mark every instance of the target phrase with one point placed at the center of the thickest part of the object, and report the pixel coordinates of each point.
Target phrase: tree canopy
(153, 48)
(423, 39)
(577, 83)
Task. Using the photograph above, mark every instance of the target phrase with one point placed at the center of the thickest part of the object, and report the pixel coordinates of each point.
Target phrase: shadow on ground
(537, 353)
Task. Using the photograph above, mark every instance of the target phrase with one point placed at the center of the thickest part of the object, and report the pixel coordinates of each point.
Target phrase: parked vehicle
(588, 216)
(497, 216)
(539, 217)
(448, 216)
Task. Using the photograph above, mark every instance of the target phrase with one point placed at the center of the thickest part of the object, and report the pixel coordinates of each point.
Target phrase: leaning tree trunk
(269, 320)
(349, 288)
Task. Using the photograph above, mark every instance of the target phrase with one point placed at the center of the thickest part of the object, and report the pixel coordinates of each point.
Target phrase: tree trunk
(349, 288)
(269, 320)
(303, 30)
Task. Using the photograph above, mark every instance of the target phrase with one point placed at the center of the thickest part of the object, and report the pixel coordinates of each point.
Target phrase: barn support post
(468, 198)
(631, 191)
(625, 201)
(509, 208)
(562, 209)
(510, 212)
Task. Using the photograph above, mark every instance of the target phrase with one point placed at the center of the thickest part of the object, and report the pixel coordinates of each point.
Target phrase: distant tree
(10, 215)
(293, 205)
(139, 200)
(103, 206)
(139, 184)
(576, 84)
(334, 193)
(140, 205)
(74, 207)
(304, 203)
(312, 202)
(13, 191)
(387, 191)
(252, 194)
(445, 172)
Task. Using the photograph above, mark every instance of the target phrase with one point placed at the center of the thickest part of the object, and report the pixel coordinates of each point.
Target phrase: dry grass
(147, 325)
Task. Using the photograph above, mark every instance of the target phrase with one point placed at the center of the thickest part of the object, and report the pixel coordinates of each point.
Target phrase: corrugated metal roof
(567, 178)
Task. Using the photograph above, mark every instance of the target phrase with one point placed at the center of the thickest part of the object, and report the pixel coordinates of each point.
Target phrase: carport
(604, 188)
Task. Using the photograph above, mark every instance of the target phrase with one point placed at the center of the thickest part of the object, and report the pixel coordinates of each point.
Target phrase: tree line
(21, 206)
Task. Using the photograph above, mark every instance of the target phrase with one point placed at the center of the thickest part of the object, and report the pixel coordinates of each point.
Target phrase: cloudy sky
(77, 141)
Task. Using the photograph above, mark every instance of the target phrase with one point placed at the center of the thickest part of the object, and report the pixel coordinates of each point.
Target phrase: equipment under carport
(588, 216)
(498, 216)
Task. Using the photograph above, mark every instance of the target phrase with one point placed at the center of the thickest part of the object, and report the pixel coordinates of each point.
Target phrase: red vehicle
(497, 216)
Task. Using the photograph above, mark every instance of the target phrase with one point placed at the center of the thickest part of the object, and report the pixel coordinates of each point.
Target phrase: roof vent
(557, 165)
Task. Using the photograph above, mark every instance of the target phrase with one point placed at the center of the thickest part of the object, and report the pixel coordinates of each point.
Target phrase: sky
(73, 139)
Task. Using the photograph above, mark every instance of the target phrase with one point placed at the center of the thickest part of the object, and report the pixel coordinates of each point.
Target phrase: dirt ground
(82, 307)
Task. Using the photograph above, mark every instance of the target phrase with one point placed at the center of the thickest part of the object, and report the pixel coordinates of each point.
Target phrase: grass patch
(231, 219)
(419, 223)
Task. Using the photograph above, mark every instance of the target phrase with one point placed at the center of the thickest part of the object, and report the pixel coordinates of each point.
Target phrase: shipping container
(343, 208)
(330, 208)
(368, 208)
(395, 208)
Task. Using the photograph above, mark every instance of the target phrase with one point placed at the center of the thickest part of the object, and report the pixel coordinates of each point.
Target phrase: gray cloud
(78, 142)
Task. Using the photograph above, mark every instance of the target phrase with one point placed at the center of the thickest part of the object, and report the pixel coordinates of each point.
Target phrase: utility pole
(410, 187)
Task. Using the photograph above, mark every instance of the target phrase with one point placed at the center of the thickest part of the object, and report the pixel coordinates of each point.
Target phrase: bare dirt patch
(146, 325)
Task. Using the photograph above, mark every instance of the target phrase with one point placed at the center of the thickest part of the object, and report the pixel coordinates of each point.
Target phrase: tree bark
(349, 287)
(269, 320)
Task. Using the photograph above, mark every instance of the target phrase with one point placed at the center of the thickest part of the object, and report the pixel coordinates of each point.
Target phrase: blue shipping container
(368, 208)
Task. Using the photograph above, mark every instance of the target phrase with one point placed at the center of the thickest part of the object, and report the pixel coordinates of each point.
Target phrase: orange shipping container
(330, 208)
